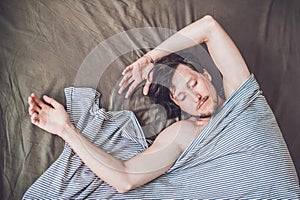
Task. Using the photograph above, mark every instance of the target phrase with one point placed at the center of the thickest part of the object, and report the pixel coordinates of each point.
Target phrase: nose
(197, 97)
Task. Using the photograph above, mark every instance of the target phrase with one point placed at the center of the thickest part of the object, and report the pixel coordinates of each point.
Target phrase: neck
(220, 101)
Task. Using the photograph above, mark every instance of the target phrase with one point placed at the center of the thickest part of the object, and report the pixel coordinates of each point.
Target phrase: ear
(207, 75)
(174, 100)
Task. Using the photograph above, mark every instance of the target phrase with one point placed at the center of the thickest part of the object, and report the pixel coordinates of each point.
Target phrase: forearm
(222, 49)
(130, 174)
(123, 176)
(192, 35)
(105, 166)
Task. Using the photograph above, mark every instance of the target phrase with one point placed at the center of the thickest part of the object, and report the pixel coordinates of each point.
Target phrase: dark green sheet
(44, 43)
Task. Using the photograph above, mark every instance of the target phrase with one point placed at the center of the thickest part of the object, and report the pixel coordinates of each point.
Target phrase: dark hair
(163, 72)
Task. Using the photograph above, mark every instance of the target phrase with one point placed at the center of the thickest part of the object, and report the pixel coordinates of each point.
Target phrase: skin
(223, 51)
(122, 175)
(194, 93)
(172, 141)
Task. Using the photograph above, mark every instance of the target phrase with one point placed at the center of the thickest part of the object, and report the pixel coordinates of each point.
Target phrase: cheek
(203, 89)
(187, 104)
(204, 86)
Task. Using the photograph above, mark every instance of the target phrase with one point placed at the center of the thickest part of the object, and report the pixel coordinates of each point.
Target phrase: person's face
(193, 92)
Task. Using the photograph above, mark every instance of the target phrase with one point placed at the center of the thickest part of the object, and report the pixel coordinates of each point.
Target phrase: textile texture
(239, 154)
(45, 46)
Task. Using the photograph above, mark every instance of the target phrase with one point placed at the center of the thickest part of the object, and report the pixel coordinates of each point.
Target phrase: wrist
(149, 58)
(157, 53)
(67, 131)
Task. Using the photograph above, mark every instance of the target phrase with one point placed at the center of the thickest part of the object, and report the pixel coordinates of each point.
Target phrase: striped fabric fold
(239, 154)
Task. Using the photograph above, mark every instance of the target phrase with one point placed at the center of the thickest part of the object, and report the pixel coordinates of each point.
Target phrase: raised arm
(122, 175)
(222, 49)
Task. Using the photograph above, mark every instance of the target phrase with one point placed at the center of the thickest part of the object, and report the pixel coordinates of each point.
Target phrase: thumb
(51, 101)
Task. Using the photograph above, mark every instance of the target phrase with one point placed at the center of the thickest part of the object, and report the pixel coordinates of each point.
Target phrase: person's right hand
(52, 117)
(134, 74)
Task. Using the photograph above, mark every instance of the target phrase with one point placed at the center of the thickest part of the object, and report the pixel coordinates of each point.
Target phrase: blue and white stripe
(240, 154)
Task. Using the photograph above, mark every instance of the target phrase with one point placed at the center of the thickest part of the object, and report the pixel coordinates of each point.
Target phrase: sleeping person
(230, 148)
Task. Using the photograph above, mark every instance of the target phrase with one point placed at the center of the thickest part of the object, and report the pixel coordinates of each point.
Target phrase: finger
(125, 78)
(131, 89)
(34, 119)
(127, 69)
(146, 87)
(32, 106)
(37, 101)
(51, 101)
(125, 85)
(31, 111)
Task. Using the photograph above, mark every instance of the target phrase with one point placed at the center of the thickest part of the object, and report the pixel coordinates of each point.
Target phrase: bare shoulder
(182, 133)
(184, 125)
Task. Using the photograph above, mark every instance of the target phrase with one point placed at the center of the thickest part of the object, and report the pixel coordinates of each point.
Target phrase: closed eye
(192, 83)
(181, 97)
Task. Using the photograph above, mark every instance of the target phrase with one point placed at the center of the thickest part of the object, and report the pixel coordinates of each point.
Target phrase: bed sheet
(44, 44)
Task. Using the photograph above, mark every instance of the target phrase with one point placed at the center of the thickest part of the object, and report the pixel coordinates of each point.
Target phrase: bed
(45, 46)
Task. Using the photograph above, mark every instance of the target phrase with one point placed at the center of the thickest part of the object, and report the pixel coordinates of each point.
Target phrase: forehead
(181, 76)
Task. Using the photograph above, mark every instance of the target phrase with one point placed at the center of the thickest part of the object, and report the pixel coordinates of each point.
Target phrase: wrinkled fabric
(118, 133)
(239, 154)
(44, 42)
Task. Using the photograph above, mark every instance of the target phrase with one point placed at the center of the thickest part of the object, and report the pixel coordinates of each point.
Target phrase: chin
(206, 115)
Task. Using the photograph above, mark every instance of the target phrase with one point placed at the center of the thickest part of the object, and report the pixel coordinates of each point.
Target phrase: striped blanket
(239, 154)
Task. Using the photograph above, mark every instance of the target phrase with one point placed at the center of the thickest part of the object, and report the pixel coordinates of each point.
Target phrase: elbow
(208, 17)
(125, 184)
(211, 26)
(210, 21)
(124, 187)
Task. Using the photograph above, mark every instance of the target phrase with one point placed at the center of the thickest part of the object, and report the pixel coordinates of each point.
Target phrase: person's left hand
(52, 118)
(134, 74)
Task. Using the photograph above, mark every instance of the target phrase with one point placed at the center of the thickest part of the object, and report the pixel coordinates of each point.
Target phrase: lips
(203, 100)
